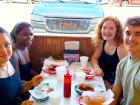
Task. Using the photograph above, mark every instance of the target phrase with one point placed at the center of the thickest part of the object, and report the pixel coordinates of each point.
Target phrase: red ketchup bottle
(67, 85)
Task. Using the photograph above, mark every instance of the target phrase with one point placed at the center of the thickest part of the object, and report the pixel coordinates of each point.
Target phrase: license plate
(67, 26)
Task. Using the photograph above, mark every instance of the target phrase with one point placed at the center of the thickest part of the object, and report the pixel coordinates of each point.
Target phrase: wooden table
(58, 86)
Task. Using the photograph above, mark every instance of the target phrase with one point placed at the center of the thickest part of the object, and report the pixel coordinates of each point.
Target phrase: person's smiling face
(108, 30)
(5, 48)
(25, 36)
(132, 38)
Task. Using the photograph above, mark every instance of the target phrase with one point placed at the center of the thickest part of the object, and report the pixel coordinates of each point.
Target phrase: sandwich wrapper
(108, 95)
(57, 63)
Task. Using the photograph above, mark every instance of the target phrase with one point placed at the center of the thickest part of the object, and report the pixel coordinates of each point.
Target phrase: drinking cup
(44, 75)
(55, 98)
(80, 77)
(60, 72)
(83, 61)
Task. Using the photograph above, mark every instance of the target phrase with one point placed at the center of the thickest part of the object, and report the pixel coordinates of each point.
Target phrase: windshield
(84, 1)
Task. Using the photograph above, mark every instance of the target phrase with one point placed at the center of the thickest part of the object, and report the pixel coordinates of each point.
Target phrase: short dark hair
(2, 30)
(17, 29)
(133, 21)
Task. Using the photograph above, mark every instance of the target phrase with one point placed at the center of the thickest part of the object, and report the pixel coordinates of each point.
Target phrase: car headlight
(37, 21)
(37, 18)
(94, 22)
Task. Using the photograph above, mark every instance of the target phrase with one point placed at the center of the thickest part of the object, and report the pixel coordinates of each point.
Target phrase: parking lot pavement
(121, 12)
(11, 13)
(20, 1)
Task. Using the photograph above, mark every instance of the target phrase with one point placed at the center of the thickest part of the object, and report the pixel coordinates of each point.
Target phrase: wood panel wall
(54, 46)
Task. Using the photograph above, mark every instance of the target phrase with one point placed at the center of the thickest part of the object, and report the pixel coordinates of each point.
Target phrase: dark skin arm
(32, 83)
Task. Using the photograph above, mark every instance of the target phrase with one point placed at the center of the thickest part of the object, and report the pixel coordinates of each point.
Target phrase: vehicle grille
(68, 25)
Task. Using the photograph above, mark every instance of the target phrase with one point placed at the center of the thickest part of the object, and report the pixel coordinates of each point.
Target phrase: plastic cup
(80, 77)
(60, 72)
(55, 98)
(44, 75)
(83, 61)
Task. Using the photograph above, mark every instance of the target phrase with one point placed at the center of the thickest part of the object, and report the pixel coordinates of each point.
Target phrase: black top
(25, 70)
(108, 64)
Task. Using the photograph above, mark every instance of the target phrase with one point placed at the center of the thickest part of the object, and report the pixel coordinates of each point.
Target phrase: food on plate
(95, 101)
(49, 66)
(52, 67)
(40, 93)
(47, 89)
(58, 60)
(89, 74)
(87, 71)
(89, 77)
(91, 100)
(50, 90)
(85, 87)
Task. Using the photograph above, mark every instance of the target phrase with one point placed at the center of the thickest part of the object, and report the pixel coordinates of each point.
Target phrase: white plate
(40, 93)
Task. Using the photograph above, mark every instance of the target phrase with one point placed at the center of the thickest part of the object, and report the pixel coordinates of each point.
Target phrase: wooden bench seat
(54, 46)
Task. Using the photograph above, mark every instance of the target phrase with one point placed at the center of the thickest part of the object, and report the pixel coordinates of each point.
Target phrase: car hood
(71, 10)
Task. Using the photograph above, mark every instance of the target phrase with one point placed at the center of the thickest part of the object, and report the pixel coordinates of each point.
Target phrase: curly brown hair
(97, 38)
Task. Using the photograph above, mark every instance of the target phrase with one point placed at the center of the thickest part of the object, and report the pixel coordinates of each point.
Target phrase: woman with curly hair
(109, 48)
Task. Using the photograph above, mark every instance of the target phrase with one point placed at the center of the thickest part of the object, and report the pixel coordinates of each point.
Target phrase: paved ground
(121, 12)
(20, 11)
(14, 12)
